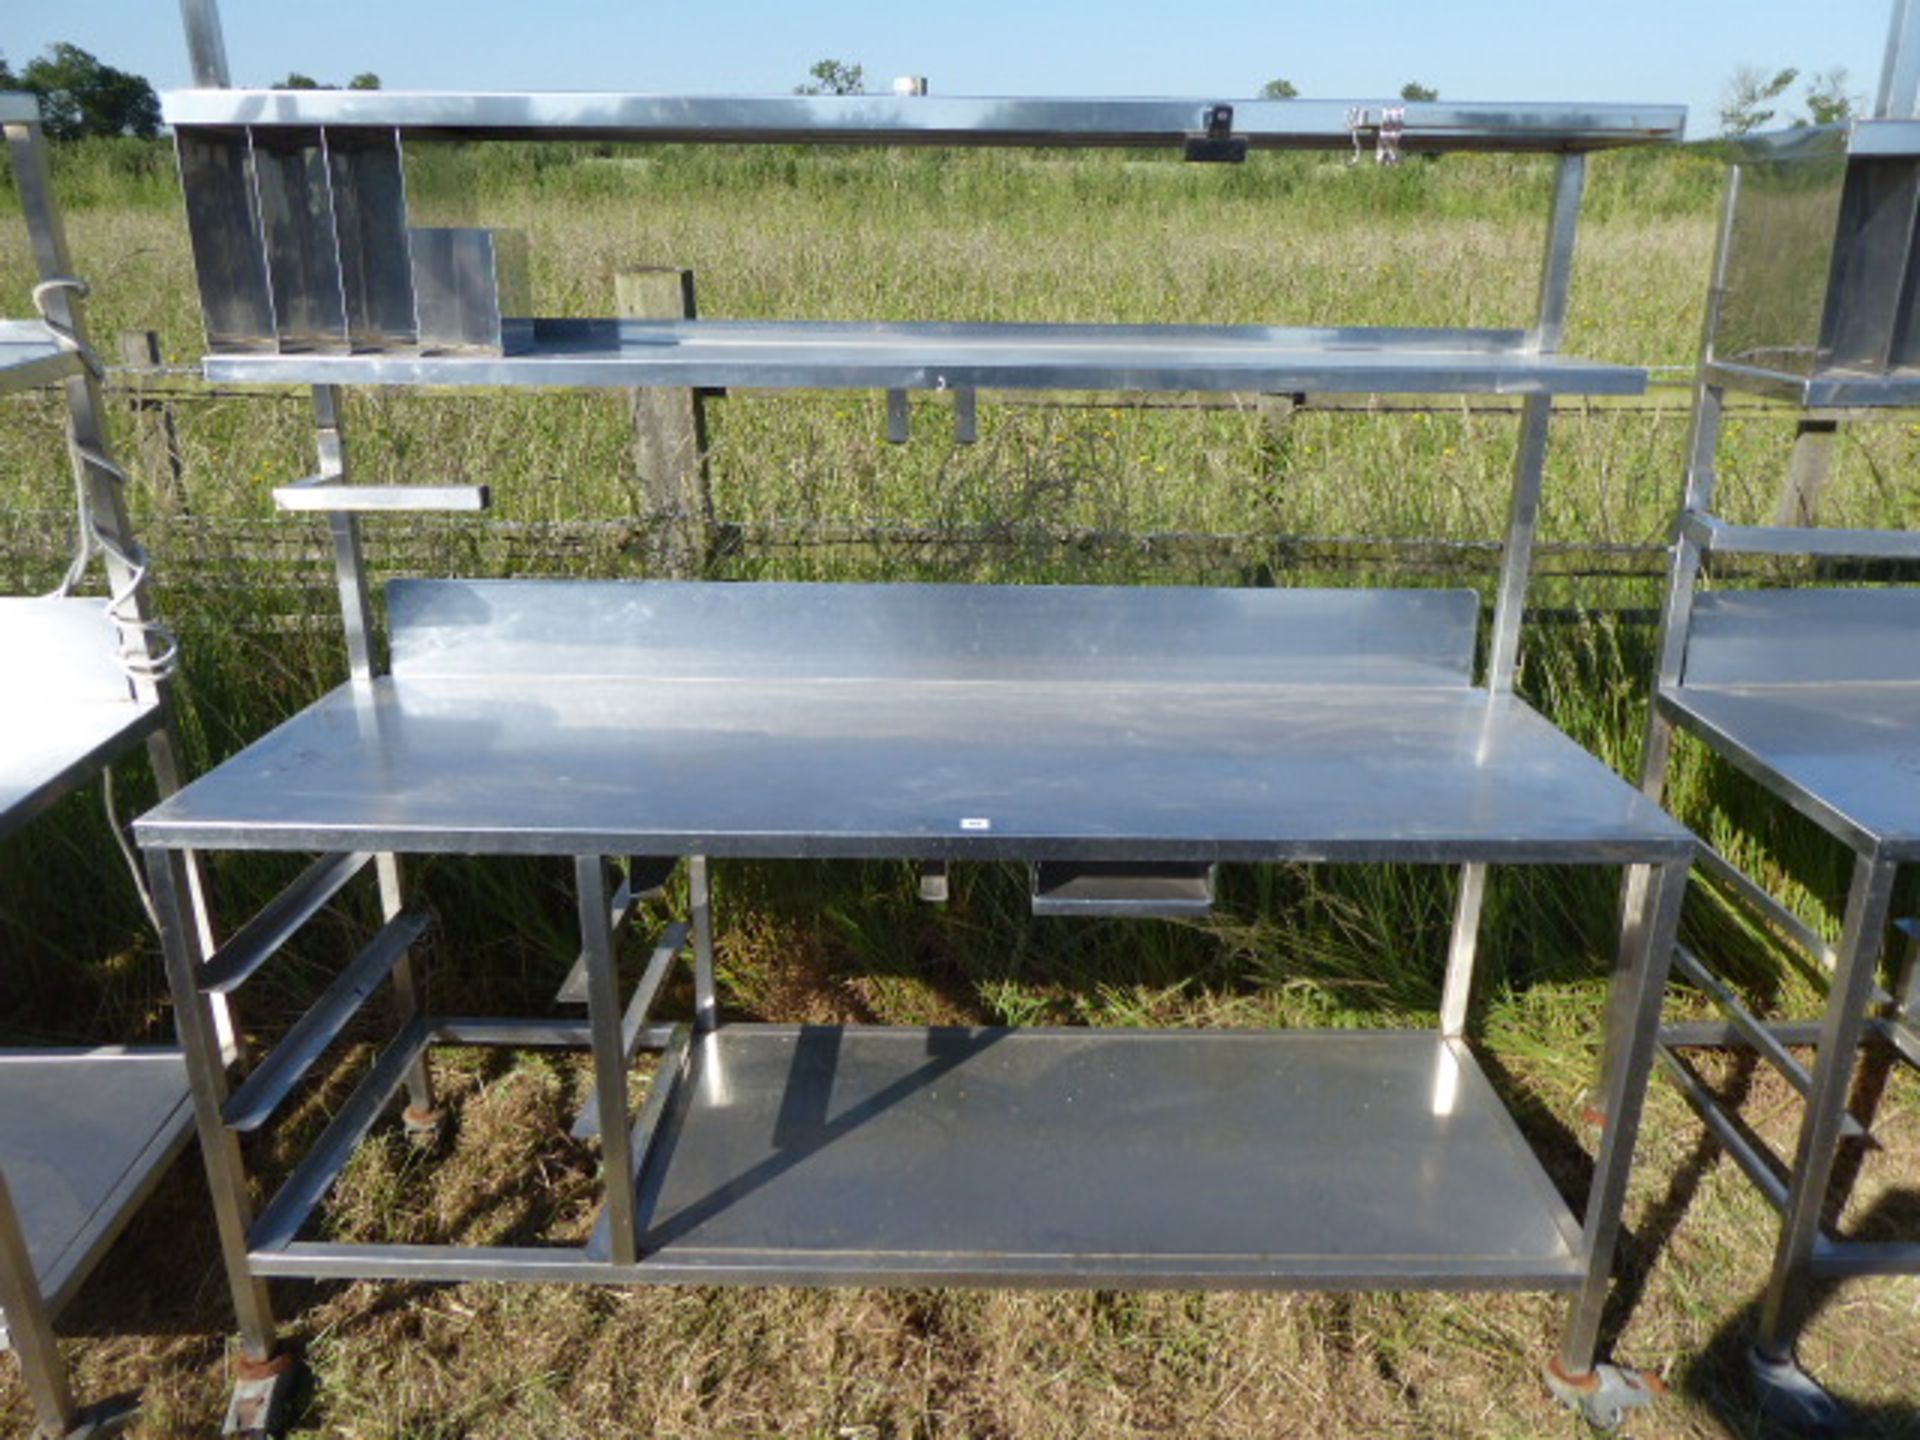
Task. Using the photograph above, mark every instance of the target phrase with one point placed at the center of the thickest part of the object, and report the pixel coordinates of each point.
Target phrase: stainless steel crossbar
(1718, 537)
(327, 493)
(634, 1030)
(1838, 1259)
(1716, 864)
(1732, 1137)
(1752, 1031)
(281, 1220)
(324, 1260)
(503, 1031)
(261, 937)
(263, 1092)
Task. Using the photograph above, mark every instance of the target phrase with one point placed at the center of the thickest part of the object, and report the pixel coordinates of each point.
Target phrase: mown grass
(1095, 493)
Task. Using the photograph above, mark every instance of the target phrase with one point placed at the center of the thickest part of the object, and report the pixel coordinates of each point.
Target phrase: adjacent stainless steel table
(83, 1134)
(72, 709)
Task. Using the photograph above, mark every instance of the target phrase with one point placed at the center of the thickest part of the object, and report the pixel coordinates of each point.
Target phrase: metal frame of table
(678, 729)
(84, 1133)
(1815, 695)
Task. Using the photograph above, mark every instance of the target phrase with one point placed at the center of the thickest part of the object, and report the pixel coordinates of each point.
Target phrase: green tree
(80, 96)
(834, 77)
(1828, 102)
(1414, 90)
(365, 80)
(7, 81)
(1747, 104)
(296, 81)
(1279, 89)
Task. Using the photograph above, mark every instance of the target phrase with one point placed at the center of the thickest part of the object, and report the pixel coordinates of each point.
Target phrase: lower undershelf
(821, 1155)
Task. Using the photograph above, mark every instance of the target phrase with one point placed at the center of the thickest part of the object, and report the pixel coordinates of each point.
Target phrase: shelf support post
(28, 1327)
(706, 1009)
(1529, 474)
(1634, 998)
(1869, 904)
(609, 1057)
(207, 1080)
(364, 664)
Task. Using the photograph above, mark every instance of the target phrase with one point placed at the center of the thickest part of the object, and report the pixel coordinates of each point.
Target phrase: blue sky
(1630, 50)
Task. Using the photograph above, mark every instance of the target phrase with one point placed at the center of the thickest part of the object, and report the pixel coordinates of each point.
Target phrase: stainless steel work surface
(69, 708)
(1846, 755)
(1082, 1157)
(801, 354)
(83, 1136)
(931, 119)
(925, 769)
(30, 355)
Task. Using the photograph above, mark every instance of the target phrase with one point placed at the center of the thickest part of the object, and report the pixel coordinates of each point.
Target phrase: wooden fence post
(1808, 471)
(159, 443)
(670, 427)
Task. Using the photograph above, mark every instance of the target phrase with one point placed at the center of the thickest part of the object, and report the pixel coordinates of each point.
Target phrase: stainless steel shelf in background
(928, 120)
(84, 1135)
(803, 354)
(71, 709)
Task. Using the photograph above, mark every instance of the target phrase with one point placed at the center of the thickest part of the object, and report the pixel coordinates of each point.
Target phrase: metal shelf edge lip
(365, 768)
(1889, 137)
(1714, 534)
(1820, 389)
(828, 355)
(927, 120)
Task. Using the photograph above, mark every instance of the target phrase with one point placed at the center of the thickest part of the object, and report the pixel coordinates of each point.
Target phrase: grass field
(1095, 492)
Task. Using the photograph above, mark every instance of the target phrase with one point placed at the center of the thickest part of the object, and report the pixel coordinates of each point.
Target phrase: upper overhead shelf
(933, 120)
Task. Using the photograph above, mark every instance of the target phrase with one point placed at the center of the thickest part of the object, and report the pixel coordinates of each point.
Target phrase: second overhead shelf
(803, 354)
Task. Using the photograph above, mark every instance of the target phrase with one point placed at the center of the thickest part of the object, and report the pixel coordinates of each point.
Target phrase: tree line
(82, 95)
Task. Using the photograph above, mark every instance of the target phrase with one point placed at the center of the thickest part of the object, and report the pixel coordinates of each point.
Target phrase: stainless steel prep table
(1121, 741)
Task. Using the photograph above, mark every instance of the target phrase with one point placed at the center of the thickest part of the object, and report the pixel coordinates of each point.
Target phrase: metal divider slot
(287, 1212)
(260, 938)
(369, 198)
(470, 291)
(634, 1030)
(1123, 887)
(229, 251)
(263, 1092)
(1871, 262)
(303, 256)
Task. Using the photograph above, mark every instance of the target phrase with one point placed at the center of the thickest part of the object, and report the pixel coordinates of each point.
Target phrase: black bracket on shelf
(1217, 144)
